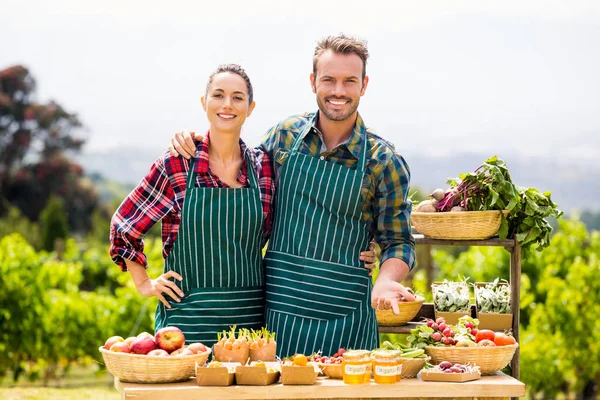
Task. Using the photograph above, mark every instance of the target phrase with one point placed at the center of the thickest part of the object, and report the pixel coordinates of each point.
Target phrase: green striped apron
(218, 254)
(318, 293)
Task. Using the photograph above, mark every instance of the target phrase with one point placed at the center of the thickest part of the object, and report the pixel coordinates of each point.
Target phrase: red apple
(178, 351)
(197, 348)
(169, 338)
(186, 352)
(143, 345)
(112, 340)
(120, 347)
(158, 352)
(130, 340)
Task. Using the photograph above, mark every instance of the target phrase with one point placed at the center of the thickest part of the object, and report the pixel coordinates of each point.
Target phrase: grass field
(81, 384)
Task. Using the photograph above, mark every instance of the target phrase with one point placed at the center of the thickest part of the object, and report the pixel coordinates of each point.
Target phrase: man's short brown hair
(342, 44)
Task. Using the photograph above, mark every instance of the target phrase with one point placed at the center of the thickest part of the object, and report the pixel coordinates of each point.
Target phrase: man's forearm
(393, 269)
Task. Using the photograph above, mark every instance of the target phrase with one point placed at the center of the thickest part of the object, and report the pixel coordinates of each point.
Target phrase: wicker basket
(138, 368)
(333, 371)
(408, 310)
(489, 359)
(412, 366)
(462, 225)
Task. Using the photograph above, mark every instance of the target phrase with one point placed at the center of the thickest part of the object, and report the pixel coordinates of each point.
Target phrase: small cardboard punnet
(493, 321)
(449, 377)
(216, 376)
(299, 375)
(258, 375)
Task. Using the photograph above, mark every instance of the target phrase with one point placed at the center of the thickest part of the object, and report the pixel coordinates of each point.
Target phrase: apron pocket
(204, 312)
(312, 288)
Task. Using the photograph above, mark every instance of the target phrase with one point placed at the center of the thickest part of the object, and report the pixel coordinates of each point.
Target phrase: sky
(445, 76)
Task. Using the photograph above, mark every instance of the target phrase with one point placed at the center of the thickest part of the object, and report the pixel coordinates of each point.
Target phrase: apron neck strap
(363, 160)
(303, 134)
(191, 178)
(250, 173)
(308, 127)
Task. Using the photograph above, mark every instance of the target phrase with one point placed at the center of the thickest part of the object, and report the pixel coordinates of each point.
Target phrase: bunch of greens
(406, 350)
(449, 296)
(490, 187)
(422, 336)
(263, 334)
(493, 297)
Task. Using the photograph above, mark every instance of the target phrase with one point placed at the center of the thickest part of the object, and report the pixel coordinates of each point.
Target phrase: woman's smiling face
(227, 103)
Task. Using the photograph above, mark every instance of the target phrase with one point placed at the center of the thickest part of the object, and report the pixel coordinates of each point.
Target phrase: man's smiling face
(338, 84)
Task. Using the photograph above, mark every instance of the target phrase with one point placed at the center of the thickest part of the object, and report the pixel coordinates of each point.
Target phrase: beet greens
(490, 187)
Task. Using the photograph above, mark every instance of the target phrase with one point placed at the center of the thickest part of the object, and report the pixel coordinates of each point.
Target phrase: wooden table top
(498, 386)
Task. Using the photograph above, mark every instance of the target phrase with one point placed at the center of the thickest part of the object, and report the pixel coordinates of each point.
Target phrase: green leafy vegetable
(406, 351)
(449, 296)
(490, 187)
(493, 297)
(422, 336)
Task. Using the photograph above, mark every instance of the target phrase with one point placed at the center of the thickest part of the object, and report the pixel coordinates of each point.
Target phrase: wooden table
(495, 387)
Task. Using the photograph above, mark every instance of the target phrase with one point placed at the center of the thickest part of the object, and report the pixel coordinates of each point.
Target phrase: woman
(215, 222)
(216, 216)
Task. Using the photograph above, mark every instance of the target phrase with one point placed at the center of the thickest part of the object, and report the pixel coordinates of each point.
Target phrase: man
(339, 186)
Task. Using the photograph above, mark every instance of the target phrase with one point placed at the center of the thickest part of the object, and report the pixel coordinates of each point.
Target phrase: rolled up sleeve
(392, 210)
(147, 204)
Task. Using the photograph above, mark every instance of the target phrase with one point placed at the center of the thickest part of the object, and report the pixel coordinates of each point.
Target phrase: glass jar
(354, 366)
(385, 366)
(369, 370)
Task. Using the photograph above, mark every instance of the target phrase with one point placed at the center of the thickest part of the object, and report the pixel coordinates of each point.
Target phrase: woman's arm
(147, 204)
(154, 287)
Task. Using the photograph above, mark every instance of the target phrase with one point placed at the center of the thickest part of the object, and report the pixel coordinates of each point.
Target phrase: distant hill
(574, 185)
(109, 191)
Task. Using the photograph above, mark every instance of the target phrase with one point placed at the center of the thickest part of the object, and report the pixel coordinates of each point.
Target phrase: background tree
(54, 223)
(35, 139)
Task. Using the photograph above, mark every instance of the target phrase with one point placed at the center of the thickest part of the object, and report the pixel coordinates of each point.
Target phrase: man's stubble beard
(336, 116)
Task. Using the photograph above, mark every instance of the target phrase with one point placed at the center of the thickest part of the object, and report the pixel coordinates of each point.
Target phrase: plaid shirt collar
(355, 142)
(202, 166)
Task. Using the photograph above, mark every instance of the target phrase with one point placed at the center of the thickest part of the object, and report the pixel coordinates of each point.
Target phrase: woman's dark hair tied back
(233, 69)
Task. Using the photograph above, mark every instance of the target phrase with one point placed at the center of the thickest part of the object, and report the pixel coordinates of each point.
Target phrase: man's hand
(386, 294)
(370, 258)
(182, 144)
(161, 285)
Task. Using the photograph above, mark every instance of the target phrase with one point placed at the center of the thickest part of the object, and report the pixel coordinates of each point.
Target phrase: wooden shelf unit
(513, 247)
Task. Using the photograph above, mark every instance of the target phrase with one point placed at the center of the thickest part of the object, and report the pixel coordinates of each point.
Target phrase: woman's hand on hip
(182, 144)
(162, 286)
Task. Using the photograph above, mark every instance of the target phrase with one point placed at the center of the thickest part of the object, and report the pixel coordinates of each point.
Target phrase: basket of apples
(161, 358)
(465, 344)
